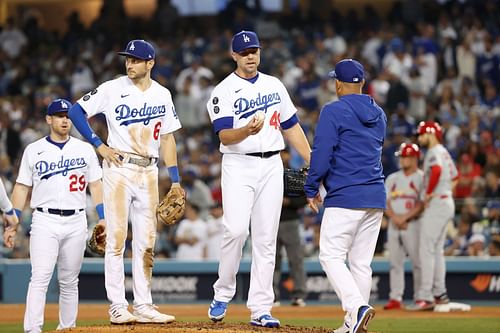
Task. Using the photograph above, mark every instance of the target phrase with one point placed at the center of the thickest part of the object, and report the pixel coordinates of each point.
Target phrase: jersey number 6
(76, 183)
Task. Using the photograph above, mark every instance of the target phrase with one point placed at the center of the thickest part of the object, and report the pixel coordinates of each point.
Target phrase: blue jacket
(346, 154)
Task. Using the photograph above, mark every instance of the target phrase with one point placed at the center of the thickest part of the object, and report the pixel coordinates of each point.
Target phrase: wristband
(10, 212)
(100, 211)
(173, 173)
(18, 212)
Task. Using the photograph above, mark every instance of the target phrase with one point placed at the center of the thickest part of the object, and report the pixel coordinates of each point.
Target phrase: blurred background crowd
(429, 59)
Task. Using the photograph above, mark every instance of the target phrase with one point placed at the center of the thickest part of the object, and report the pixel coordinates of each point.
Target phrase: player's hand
(255, 125)
(314, 203)
(10, 230)
(102, 235)
(176, 187)
(428, 198)
(403, 226)
(111, 155)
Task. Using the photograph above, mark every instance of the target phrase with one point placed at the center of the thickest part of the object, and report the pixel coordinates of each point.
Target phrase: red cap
(430, 127)
(408, 150)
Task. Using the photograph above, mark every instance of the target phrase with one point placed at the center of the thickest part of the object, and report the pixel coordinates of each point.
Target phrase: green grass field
(382, 325)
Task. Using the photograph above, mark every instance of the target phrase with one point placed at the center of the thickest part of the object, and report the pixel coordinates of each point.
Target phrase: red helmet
(408, 150)
(430, 127)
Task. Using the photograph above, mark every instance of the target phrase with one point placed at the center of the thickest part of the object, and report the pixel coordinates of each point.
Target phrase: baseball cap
(140, 49)
(408, 150)
(348, 70)
(244, 40)
(58, 105)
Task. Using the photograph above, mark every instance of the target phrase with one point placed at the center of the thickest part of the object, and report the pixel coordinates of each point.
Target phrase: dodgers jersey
(438, 155)
(235, 100)
(403, 191)
(59, 177)
(136, 119)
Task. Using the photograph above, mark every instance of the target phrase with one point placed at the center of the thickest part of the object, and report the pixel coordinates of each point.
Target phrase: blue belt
(265, 154)
(60, 212)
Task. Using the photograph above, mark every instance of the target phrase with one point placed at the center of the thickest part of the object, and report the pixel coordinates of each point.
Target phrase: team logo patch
(216, 109)
(86, 98)
(215, 100)
(93, 92)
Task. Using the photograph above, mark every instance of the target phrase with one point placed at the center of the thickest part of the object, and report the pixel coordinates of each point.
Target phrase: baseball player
(346, 158)
(403, 207)
(248, 109)
(57, 169)
(440, 178)
(9, 216)
(141, 120)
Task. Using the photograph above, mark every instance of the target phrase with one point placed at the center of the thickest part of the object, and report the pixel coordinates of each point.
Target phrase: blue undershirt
(58, 144)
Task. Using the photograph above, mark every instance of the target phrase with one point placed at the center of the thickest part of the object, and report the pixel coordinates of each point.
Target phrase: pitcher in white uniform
(440, 178)
(141, 119)
(248, 109)
(57, 169)
(403, 189)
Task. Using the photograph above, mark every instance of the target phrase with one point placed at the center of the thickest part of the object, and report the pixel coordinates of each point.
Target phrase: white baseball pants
(352, 234)
(55, 239)
(129, 191)
(252, 194)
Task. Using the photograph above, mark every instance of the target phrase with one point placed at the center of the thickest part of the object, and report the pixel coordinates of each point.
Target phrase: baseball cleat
(217, 310)
(442, 299)
(342, 329)
(121, 316)
(360, 321)
(147, 313)
(266, 321)
(421, 305)
(298, 302)
(393, 305)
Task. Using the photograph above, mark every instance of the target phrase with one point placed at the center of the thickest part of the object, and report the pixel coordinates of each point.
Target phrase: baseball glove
(97, 242)
(172, 207)
(294, 181)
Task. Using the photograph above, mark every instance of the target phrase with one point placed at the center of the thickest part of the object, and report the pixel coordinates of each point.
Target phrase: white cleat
(148, 314)
(121, 316)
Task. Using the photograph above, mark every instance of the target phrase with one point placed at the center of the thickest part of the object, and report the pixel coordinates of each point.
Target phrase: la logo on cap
(64, 105)
(132, 46)
(246, 38)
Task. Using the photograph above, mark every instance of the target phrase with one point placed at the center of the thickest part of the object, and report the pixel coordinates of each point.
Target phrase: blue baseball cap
(58, 105)
(348, 70)
(140, 49)
(244, 40)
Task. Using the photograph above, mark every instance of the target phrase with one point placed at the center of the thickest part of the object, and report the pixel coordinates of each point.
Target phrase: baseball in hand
(259, 115)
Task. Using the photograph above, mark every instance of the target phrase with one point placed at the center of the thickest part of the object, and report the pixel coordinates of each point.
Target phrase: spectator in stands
(215, 231)
(191, 235)
(494, 247)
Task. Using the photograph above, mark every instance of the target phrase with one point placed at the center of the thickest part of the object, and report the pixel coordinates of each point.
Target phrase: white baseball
(259, 115)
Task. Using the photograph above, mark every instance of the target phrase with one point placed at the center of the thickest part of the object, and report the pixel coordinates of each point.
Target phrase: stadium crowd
(425, 60)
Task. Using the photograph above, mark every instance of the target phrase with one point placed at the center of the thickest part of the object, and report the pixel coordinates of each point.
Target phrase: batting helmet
(408, 150)
(430, 127)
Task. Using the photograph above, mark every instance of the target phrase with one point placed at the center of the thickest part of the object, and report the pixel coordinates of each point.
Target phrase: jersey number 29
(76, 183)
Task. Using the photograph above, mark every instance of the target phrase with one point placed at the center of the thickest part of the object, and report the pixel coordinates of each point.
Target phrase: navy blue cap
(140, 49)
(58, 105)
(348, 70)
(244, 40)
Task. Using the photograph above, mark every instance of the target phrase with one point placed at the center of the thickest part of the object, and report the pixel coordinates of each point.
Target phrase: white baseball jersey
(403, 191)
(235, 100)
(438, 155)
(135, 118)
(59, 177)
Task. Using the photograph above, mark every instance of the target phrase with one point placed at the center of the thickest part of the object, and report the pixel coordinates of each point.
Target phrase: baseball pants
(252, 194)
(432, 236)
(129, 191)
(55, 239)
(402, 243)
(349, 234)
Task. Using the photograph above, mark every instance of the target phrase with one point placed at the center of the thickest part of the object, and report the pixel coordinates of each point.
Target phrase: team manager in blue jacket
(346, 159)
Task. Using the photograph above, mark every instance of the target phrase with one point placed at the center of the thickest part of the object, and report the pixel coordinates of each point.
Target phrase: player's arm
(435, 174)
(168, 150)
(95, 189)
(10, 217)
(232, 136)
(19, 196)
(79, 119)
(296, 137)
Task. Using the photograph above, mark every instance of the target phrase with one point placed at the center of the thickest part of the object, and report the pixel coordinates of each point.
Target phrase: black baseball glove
(294, 181)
